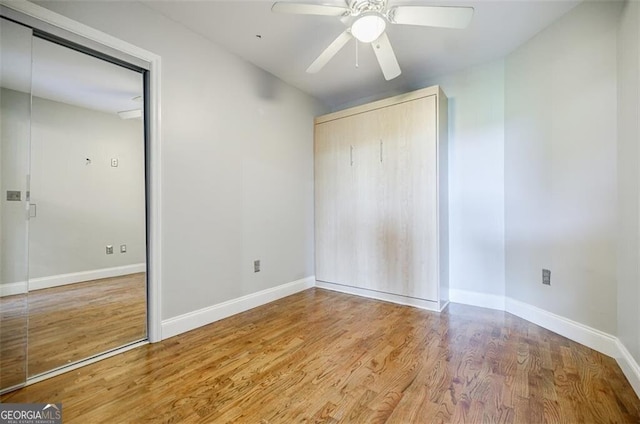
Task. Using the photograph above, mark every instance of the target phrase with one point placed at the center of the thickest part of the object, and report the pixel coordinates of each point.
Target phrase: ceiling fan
(367, 20)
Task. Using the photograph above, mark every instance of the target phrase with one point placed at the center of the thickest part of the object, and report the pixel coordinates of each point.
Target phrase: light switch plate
(14, 195)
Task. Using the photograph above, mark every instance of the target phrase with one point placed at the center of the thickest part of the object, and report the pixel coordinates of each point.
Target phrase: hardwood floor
(13, 340)
(320, 356)
(76, 321)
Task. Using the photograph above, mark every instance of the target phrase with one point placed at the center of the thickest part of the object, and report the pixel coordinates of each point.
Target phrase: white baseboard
(595, 339)
(583, 334)
(482, 300)
(629, 366)
(71, 278)
(387, 297)
(11, 289)
(79, 277)
(192, 320)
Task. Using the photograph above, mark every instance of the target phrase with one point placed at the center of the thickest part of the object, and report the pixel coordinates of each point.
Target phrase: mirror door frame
(153, 148)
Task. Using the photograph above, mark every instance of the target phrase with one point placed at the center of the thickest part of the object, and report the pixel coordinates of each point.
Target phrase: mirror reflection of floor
(73, 322)
(13, 340)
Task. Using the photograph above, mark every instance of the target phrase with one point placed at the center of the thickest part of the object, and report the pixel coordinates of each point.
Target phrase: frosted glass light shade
(368, 28)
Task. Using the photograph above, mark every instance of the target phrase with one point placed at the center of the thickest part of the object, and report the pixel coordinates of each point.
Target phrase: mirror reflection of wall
(15, 89)
(82, 250)
(87, 193)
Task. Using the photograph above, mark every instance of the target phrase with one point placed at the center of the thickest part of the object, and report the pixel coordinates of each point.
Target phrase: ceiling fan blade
(386, 57)
(329, 52)
(435, 16)
(308, 9)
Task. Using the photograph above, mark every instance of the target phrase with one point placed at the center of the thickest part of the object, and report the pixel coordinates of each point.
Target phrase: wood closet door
(407, 210)
(334, 201)
(375, 192)
(368, 195)
(346, 196)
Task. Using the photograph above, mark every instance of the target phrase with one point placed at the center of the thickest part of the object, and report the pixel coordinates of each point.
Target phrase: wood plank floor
(13, 340)
(76, 321)
(320, 356)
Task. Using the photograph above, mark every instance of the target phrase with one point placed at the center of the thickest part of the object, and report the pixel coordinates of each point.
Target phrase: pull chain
(357, 65)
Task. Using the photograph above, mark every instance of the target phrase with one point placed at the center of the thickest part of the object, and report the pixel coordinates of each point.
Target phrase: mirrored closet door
(15, 128)
(74, 269)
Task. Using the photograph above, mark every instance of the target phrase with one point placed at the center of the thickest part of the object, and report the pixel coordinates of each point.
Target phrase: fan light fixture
(368, 28)
(130, 114)
(370, 21)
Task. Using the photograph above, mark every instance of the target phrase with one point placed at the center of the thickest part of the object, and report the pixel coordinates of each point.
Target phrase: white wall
(476, 178)
(14, 135)
(237, 162)
(81, 206)
(560, 167)
(14, 153)
(629, 178)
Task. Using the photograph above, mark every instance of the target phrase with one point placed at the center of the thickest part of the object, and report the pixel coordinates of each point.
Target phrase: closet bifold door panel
(332, 189)
(408, 249)
(377, 199)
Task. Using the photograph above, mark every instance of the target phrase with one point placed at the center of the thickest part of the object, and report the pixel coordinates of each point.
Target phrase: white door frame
(154, 233)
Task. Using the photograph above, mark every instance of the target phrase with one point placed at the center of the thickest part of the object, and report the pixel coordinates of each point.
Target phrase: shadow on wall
(267, 85)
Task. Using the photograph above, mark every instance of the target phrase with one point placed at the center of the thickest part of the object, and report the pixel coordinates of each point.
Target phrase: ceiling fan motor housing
(359, 7)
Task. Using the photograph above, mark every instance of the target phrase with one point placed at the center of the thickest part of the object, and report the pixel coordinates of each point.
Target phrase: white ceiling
(68, 76)
(64, 75)
(290, 43)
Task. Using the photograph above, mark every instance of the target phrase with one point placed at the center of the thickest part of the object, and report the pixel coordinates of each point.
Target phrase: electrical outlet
(109, 249)
(123, 248)
(546, 277)
(114, 162)
(256, 265)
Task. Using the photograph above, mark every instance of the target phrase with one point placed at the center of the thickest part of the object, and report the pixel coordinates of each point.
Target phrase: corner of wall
(628, 184)
(600, 341)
